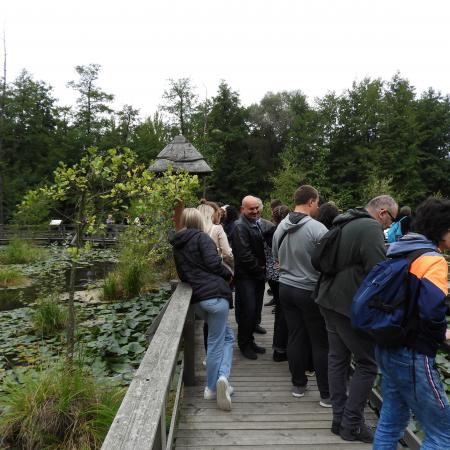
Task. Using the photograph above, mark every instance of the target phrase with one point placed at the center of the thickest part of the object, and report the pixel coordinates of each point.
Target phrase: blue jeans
(214, 312)
(427, 399)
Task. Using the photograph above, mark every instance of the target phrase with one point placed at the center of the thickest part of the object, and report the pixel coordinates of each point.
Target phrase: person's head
(250, 207)
(384, 209)
(433, 221)
(232, 214)
(217, 212)
(307, 198)
(208, 215)
(274, 203)
(279, 213)
(191, 218)
(327, 212)
(405, 211)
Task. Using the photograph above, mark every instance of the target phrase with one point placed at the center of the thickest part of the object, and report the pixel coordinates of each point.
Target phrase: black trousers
(280, 331)
(349, 401)
(249, 298)
(304, 320)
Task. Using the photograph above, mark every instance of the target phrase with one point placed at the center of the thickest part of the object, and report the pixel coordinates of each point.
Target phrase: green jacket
(360, 248)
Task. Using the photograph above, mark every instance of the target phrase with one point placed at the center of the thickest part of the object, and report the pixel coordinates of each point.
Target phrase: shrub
(112, 287)
(62, 407)
(49, 317)
(21, 252)
(10, 276)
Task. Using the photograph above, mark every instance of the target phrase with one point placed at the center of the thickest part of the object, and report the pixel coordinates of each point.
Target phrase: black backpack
(324, 255)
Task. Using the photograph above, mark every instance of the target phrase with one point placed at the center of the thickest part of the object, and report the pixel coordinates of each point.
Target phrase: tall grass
(10, 276)
(21, 252)
(60, 408)
(49, 317)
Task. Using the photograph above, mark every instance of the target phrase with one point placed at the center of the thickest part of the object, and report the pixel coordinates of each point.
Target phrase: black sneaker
(362, 433)
(260, 330)
(249, 353)
(257, 348)
(279, 356)
(335, 426)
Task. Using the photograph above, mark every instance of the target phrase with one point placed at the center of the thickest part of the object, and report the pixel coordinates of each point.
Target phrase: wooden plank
(136, 422)
(264, 413)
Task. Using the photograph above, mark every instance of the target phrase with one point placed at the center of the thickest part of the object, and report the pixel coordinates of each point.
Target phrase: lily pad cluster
(110, 337)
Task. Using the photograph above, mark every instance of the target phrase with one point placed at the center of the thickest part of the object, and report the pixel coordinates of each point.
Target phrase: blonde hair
(207, 213)
(191, 218)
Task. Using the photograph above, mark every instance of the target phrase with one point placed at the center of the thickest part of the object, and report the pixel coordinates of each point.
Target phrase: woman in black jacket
(199, 264)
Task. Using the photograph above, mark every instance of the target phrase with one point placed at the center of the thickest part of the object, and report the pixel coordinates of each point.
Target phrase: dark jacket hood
(181, 238)
(409, 243)
(293, 221)
(354, 213)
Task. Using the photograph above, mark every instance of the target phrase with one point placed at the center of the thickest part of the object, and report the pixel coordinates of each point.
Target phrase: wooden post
(177, 216)
(189, 348)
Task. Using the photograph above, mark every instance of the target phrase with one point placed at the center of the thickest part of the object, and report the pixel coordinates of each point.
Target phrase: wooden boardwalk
(264, 413)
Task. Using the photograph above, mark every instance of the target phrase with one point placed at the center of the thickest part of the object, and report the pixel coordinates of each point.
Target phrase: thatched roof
(180, 154)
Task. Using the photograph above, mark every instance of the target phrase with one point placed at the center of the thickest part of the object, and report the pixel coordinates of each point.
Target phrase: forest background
(377, 136)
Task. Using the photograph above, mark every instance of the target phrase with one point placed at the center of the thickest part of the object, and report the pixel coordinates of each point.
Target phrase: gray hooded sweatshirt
(301, 233)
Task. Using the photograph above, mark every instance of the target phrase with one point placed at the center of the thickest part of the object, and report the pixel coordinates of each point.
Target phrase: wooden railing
(140, 423)
(62, 234)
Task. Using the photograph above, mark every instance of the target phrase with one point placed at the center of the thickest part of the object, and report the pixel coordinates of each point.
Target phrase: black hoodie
(199, 264)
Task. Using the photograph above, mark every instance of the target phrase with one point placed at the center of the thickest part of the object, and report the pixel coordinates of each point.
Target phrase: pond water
(85, 276)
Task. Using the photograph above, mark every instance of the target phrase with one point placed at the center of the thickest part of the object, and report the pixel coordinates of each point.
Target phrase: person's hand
(447, 334)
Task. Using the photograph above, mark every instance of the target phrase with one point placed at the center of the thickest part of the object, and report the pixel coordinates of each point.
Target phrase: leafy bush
(49, 317)
(61, 408)
(21, 252)
(10, 276)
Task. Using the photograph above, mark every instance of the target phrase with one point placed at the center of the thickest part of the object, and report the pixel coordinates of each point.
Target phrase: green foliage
(112, 289)
(21, 252)
(49, 317)
(60, 407)
(35, 208)
(10, 276)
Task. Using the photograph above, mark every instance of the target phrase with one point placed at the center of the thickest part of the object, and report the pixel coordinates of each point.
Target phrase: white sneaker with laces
(223, 394)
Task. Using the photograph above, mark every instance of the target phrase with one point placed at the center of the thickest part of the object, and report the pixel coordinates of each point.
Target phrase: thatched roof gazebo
(181, 154)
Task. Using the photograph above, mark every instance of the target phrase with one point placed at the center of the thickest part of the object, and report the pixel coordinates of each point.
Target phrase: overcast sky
(255, 45)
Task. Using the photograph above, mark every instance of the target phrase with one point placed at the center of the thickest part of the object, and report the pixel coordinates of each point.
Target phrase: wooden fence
(140, 423)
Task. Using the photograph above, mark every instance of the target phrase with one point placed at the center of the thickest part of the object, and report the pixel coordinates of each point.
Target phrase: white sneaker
(208, 394)
(223, 394)
(310, 373)
(204, 362)
(230, 390)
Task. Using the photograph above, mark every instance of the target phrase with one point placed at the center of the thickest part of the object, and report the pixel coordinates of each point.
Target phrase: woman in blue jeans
(199, 264)
(410, 380)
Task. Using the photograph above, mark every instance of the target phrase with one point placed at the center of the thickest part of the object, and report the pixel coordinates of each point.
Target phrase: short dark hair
(304, 194)
(275, 202)
(327, 212)
(432, 219)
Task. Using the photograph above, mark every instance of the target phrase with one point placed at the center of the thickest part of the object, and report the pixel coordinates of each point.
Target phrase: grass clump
(49, 317)
(21, 252)
(62, 407)
(10, 276)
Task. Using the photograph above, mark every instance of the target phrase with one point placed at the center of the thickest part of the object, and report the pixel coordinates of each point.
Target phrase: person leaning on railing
(199, 264)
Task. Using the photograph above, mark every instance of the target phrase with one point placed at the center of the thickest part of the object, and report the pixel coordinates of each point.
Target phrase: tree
(112, 178)
(92, 105)
(180, 103)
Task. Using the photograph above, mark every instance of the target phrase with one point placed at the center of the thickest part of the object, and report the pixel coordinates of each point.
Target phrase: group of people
(312, 327)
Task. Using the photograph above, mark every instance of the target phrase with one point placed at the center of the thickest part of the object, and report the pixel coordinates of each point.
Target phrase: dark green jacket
(360, 248)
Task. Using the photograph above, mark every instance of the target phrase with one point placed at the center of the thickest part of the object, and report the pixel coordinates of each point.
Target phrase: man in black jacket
(249, 274)
(361, 247)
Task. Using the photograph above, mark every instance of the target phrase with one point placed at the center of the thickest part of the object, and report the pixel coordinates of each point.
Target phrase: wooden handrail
(140, 421)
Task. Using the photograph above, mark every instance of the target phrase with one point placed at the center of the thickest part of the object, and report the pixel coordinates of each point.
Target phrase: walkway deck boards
(264, 413)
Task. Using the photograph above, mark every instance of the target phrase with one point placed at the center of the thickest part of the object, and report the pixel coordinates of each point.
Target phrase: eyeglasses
(390, 215)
